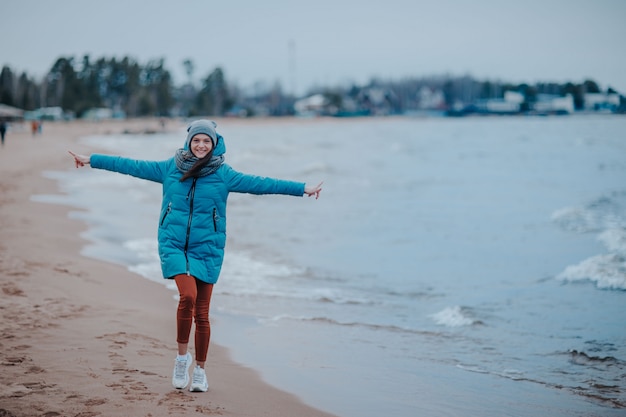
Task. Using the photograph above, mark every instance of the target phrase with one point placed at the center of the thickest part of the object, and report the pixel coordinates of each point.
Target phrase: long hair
(197, 167)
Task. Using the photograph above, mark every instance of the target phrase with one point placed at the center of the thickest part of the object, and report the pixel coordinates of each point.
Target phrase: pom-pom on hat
(201, 126)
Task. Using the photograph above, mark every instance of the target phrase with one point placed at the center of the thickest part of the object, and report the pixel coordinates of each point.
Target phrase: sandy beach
(80, 337)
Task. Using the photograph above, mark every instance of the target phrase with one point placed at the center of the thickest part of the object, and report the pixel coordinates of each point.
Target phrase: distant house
(601, 101)
(310, 106)
(514, 97)
(430, 99)
(376, 100)
(511, 103)
(10, 113)
(45, 113)
(553, 104)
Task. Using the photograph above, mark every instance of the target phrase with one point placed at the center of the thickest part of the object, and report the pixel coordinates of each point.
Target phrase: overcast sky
(328, 42)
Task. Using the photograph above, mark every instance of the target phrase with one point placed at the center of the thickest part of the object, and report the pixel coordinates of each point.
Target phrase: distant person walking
(34, 127)
(192, 228)
(3, 130)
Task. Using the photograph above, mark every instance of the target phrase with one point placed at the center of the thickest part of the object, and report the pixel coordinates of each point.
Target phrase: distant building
(10, 113)
(553, 104)
(377, 101)
(511, 103)
(428, 99)
(99, 113)
(601, 101)
(45, 113)
(310, 106)
(514, 97)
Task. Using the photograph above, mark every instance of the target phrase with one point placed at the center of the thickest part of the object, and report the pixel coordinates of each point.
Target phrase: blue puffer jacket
(192, 225)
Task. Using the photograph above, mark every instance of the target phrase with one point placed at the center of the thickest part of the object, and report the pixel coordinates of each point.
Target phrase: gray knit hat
(201, 126)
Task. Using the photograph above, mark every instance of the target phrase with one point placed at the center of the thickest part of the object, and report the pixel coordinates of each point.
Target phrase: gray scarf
(185, 160)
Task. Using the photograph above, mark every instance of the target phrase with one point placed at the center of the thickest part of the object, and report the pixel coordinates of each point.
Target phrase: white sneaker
(180, 376)
(198, 380)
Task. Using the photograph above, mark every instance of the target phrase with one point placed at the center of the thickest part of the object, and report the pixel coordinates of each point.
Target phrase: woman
(192, 228)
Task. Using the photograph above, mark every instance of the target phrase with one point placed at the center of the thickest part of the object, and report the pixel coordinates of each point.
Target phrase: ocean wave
(146, 256)
(513, 374)
(456, 316)
(599, 382)
(614, 239)
(313, 295)
(606, 271)
(371, 326)
(146, 249)
(605, 394)
(605, 384)
(605, 212)
(413, 295)
(605, 216)
(582, 358)
(246, 277)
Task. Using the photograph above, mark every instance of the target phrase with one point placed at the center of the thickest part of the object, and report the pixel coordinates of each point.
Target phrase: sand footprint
(122, 346)
(95, 401)
(179, 402)
(9, 288)
(176, 401)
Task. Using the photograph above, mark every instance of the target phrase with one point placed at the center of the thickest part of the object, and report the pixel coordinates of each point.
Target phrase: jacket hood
(208, 128)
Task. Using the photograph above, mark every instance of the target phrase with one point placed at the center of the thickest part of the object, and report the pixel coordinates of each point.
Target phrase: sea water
(451, 267)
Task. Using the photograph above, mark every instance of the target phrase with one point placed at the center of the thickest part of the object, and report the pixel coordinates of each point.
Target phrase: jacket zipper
(167, 211)
(215, 218)
(190, 196)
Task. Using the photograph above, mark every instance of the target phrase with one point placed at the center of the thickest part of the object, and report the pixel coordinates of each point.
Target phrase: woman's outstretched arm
(147, 170)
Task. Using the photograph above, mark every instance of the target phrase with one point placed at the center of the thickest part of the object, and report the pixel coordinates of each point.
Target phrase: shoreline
(81, 335)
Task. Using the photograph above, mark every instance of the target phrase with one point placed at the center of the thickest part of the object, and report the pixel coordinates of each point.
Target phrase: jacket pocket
(215, 219)
(167, 211)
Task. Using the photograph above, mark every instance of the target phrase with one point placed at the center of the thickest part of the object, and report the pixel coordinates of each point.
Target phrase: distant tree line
(121, 85)
(135, 89)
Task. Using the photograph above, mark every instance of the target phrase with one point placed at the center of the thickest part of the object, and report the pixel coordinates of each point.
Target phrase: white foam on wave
(605, 217)
(242, 276)
(144, 248)
(607, 271)
(614, 239)
(605, 212)
(245, 276)
(146, 252)
(452, 317)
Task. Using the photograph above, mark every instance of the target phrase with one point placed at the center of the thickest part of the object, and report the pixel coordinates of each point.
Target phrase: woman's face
(201, 145)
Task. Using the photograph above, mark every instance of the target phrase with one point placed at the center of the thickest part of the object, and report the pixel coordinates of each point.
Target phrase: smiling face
(201, 144)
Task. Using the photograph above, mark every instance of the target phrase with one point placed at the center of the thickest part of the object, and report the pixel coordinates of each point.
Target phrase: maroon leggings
(195, 298)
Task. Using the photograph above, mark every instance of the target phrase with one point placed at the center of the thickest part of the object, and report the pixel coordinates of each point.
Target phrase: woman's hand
(80, 160)
(314, 191)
